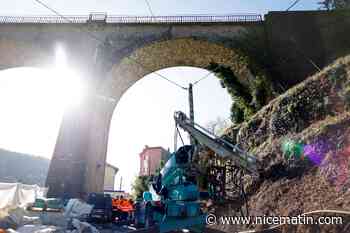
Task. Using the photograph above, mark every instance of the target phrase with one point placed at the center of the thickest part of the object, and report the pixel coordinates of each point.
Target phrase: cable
(158, 74)
(100, 40)
(204, 77)
(294, 45)
(293, 4)
(175, 139)
(207, 75)
(149, 7)
(179, 133)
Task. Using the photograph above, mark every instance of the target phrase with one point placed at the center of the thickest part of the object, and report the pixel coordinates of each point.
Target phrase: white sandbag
(76, 208)
(54, 219)
(31, 220)
(83, 227)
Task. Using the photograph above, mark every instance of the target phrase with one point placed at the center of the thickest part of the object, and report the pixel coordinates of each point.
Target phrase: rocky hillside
(24, 168)
(302, 139)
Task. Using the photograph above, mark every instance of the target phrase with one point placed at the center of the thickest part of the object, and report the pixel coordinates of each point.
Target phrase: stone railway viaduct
(115, 52)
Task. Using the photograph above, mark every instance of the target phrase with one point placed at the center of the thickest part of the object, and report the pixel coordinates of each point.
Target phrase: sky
(32, 107)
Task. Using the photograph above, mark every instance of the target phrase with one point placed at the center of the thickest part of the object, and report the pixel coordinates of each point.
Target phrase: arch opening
(144, 116)
(157, 56)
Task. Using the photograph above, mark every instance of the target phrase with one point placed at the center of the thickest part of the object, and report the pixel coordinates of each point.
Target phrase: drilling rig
(173, 200)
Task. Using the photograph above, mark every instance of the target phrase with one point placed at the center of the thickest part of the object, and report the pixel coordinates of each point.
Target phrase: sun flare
(33, 102)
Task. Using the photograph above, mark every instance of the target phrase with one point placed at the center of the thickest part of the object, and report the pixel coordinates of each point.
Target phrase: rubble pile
(22, 217)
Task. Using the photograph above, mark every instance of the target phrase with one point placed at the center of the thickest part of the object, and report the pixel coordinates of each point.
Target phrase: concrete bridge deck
(120, 19)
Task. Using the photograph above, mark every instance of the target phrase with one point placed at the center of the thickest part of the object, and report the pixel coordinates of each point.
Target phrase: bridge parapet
(117, 19)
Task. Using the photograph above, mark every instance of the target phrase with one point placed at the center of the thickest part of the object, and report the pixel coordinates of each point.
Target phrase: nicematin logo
(212, 219)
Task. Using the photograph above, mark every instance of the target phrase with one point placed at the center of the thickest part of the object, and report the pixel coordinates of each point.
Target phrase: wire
(207, 75)
(100, 40)
(204, 77)
(149, 7)
(293, 4)
(175, 139)
(158, 74)
(294, 45)
(179, 133)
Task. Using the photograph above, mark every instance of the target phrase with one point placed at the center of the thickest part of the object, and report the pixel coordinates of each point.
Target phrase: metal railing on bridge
(104, 18)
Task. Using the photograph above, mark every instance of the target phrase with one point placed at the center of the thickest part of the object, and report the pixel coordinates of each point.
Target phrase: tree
(335, 4)
(326, 4)
(161, 165)
(140, 185)
(217, 126)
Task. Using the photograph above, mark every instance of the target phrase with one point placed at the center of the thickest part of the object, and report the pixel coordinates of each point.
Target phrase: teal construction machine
(173, 200)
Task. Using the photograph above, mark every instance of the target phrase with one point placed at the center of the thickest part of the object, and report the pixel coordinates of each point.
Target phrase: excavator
(173, 200)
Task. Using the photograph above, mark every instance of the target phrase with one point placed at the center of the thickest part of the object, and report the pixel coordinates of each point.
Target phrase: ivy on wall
(241, 97)
(252, 53)
(246, 100)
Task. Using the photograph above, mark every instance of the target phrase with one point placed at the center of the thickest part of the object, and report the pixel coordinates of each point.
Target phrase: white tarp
(19, 195)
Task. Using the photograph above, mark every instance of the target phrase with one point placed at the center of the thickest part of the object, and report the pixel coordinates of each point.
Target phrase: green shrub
(140, 185)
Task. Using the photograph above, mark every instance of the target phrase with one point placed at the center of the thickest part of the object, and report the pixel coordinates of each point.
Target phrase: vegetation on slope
(315, 114)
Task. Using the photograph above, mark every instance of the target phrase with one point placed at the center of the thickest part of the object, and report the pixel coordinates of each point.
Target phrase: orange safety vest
(123, 205)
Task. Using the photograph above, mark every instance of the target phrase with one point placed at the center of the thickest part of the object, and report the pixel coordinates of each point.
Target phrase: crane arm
(220, 146)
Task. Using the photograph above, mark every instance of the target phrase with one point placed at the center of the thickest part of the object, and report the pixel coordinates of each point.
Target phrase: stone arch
(153, 57)
(171, 53)
(93, 133)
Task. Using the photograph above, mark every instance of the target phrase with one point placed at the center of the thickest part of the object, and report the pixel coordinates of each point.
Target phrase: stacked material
(14, 195)
(16, 218)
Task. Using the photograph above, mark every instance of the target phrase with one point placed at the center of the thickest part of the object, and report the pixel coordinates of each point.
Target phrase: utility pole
(190, 99)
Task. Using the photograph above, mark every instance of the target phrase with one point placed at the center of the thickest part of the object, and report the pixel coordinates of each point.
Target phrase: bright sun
(70, 86)
(32, 104)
